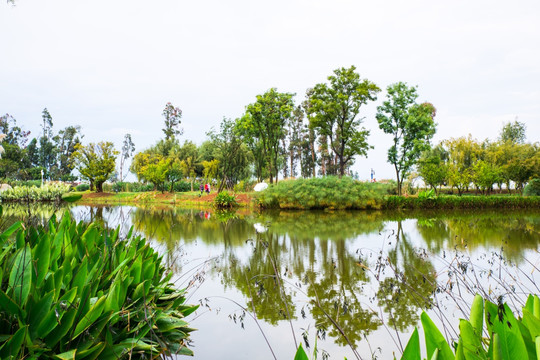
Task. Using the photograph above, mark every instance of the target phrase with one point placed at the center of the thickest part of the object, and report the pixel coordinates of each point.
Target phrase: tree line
(318, 136)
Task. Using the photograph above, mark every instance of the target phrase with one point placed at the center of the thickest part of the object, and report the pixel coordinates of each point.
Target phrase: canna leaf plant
(50, 192)
(503, 337)
(75, 291)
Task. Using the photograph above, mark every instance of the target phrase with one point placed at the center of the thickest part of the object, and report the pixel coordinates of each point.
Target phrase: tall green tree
(232, 154)
(266, 122)
(47, 150)
(410, 124)
(335, 107)
(95, 162)
(172, 116)
(432, 167)
(14, 162)
(65, 143)
(513, 132)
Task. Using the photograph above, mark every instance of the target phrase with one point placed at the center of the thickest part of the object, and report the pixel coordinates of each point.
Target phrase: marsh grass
(328, 192)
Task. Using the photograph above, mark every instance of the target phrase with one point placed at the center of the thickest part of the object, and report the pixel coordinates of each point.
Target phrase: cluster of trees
(321, 135)
(464, 163)
(25, 158)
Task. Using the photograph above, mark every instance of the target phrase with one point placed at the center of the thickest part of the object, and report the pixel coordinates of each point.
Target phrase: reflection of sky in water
(221, 255)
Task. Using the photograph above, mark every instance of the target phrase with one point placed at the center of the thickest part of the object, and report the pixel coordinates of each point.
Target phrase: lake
(351, 284)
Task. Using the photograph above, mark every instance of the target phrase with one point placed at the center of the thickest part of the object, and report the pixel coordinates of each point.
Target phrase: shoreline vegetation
(326, 193)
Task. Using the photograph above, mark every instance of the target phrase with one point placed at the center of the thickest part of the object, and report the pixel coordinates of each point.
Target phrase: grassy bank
(182, 199)
(462, 202)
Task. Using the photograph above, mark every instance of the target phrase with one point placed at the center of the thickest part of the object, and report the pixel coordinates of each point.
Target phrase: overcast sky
(111, 66)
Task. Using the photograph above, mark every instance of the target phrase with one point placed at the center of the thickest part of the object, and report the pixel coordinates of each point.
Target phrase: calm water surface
(336, 280)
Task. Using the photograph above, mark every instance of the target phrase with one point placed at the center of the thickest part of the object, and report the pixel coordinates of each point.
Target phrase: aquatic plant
(49, 192)
(509, 337)
(224, 200)
(75, 291)
(328, 192)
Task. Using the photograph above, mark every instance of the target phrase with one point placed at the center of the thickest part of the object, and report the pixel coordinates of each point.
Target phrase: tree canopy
(334, 108)
(410, 124)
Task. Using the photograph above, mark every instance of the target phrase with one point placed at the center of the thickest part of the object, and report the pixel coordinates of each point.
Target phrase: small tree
(95, 162)
(128, 147)
(172, 117)
(411, 126)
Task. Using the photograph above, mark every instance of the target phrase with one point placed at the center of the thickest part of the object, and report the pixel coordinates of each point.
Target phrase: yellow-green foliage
(329, 192)
(51, 192)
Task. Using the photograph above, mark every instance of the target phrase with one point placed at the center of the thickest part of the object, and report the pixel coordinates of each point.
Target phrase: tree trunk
(398, 180)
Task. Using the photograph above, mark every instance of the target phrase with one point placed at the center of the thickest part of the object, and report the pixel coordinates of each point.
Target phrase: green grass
(325, 193)
(462, 202)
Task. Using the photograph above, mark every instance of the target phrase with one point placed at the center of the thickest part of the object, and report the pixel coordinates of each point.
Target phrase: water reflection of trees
(514, 232)
(412, 286)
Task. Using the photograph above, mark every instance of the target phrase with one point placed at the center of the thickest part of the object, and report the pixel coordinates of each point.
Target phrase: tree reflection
(411, 287)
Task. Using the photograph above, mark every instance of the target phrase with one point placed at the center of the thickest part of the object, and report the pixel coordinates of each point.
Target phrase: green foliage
(95, 162)
(411, 126)
(334, 108)
(327, 192)
(224, 200)
(70, 197)
(427, 194)
(509, 337)
(82, 187)
(49, 192)
(263, 127)
(461, 202)
(532, 188)
(73, 290)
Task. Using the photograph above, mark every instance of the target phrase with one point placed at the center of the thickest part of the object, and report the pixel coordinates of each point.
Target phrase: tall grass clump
(75, 291)
(49, 192)
(329, 192)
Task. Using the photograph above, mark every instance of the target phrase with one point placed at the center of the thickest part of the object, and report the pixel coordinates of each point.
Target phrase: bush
(82, 187)
(532, 188)
(28, 183)
(182, 186)
(327, 192)
(77, 289)
(224, 200)
(461, 202)
(244, 186)
(52, 192)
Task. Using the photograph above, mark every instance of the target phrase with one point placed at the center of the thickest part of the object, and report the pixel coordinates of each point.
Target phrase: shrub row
(461, 202)
(75, 291)
(49, 192)
(327, 192)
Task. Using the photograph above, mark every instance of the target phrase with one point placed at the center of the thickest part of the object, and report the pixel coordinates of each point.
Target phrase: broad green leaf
(12, 347)
(300, 354)
(42, 254)
(536, 306)
(477, 315)
(91, 353)
(20, 278)
(471, 343)
(62, 329)
(9, 305)
(412, 350)
(496, 345)
(38, 313)
(537, 346)
(532, 323)
(68, 355)
(80, 279)
(506, 327)
(435, 340)
(6, 234)
(92, 315)
(136, 270)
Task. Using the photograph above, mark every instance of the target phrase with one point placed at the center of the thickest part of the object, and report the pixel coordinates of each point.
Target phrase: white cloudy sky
(110, 66)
